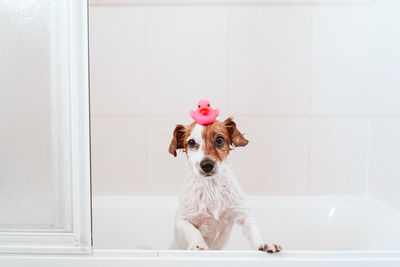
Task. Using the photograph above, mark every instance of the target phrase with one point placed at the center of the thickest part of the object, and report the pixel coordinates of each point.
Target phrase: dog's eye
(208, 105)
(199, 106)
(219, 141)
(191, 143)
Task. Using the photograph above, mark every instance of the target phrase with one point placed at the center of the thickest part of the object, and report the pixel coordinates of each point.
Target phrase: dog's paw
(198, 246)
(270, 247)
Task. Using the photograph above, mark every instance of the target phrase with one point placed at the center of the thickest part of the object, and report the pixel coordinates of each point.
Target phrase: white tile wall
(338, 152)
(387, 43)
(268, 74)
(344, 79)
(275, 161)
(303, 83)
(119, 155)
(186, 58)
(384, 180)
(117, 37)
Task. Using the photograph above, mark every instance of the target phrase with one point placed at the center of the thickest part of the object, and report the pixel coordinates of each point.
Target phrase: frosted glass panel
(34, 165)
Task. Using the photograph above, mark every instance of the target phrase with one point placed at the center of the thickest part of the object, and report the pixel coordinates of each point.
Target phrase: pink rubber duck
(204, 114)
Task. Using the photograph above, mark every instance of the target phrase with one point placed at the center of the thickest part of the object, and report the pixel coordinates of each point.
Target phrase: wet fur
(209, 206)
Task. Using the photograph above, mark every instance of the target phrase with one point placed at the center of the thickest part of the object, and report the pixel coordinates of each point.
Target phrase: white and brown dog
(212, 200)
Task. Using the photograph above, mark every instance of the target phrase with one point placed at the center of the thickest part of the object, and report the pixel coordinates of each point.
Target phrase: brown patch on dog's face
(217, 131)
(179, 138)
(216, 140)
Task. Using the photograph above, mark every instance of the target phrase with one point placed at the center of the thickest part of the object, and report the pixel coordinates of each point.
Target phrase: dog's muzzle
(207, 166)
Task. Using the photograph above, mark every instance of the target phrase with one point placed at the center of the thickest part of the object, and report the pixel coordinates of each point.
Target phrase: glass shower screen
(44, 120)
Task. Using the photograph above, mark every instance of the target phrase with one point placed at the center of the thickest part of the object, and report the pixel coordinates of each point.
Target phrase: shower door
(44, 127)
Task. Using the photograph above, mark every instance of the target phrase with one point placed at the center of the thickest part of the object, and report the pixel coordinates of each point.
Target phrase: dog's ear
(177, 139)
(237, 139)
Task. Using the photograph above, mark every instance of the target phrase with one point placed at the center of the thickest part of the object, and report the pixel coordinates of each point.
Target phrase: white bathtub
(314, 231)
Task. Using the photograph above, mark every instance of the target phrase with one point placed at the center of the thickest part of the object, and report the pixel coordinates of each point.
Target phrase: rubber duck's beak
(204, 110)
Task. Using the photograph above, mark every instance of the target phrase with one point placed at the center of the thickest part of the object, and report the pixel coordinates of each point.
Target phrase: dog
(212, 200)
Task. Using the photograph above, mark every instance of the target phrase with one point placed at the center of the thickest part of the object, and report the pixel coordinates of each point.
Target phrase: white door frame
(78, 238)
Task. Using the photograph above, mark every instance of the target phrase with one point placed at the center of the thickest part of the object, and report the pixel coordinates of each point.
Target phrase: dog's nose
(207, 165)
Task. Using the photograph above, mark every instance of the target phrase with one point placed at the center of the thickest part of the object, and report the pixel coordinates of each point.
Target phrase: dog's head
(207, 146)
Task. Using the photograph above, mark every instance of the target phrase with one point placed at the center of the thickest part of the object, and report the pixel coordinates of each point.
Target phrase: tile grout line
(368, 157)
(146, 86)
(255, 115)
(309, 156)
(379, 72)
(368, 138)
(210, 3)
(310, 93)
(372, 29)
(310, 65)
(227, 61)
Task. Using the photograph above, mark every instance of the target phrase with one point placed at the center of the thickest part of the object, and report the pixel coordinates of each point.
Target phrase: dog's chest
(210, 207)
(210, 227)
(209, 198)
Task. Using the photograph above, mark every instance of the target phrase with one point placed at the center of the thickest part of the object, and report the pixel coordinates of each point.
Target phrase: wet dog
(212, 200)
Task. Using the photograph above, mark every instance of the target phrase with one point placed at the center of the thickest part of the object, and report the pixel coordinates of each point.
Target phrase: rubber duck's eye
(208, 105)
(198, 106)
(191, 143)
(219, 141)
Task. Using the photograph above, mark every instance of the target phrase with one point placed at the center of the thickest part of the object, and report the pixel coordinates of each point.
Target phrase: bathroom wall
(313, 87)
(384, 162)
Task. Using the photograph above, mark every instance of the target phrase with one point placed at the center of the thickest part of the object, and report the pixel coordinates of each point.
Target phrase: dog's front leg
(252, 232)
(188, 237)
